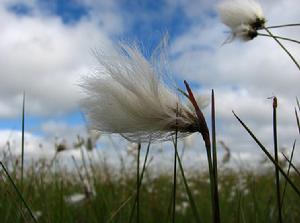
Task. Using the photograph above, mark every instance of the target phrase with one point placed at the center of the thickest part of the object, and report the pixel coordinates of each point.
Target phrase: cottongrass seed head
(128, 95)
(243, 17)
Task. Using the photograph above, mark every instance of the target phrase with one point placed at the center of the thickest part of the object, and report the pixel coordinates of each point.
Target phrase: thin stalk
(203, 130)
(280, 37)
(138, 185)
(141, 178)
(292, 165)
(123, 204)
(23, 132)
(191, 199)
(276, 159)
(297, 119)
(18, 192)
(283, 47)
(174, 175)
(298, 104)
(214, 152)
(263, 148)
(288, 172)
(284, 25)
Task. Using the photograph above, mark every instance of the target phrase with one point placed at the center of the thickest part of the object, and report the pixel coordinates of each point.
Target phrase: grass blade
(279, 37)
(288, 172)
(292, 165)
(189, 193)
(23, 132)
(276, 159)
(268, 154)
(283, 47)
(138, 184)
(284, 25)
(141, 178)
(18, 192)
(214, 154)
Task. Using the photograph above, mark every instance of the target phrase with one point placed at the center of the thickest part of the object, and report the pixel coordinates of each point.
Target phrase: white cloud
(46, 58)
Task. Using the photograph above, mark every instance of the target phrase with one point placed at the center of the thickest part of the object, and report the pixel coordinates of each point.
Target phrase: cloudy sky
(45, 50)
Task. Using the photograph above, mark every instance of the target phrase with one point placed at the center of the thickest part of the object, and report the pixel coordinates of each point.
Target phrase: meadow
(95, 191)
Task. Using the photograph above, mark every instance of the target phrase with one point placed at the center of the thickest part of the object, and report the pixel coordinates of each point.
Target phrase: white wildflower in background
(243, 17)
(76, 199)
(127, 95)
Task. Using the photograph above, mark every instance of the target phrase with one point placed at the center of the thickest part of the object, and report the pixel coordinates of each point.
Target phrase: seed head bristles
(127, 95)
(243, 17)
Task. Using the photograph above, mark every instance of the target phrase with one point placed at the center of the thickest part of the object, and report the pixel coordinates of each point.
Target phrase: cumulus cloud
(45, 57)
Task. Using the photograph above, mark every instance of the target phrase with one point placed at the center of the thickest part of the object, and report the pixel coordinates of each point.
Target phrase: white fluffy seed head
(127, 95)
(243, 17)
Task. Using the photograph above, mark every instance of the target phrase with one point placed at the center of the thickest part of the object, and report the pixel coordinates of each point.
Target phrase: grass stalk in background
(22, 145)
(263, 148)
(138, 184)
(203, 130)
(174, 172)
(187, 188)
(283, 47)
(140, 180)
(292, 165)
(288, 172)
(18, 192)
(276, 159)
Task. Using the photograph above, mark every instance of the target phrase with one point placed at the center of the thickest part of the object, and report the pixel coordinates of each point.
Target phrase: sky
(46, 49)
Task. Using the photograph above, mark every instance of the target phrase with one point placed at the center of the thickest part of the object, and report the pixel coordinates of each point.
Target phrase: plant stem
(285, 25)
(263, 148)
(138, 185)
(288, 172)
(283, 47)
(203, 130)
(279, 37)
(174, 176)
(292, 165)
(214, 152)
(23, 132)
(276, 158)
(141, 178)
(18, 192)
(191, 199)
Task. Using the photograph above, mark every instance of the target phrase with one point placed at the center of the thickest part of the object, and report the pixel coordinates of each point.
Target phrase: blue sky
(45, 50)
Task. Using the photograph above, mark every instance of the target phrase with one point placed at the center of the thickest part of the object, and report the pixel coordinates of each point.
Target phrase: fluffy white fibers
(127, 95)
(243, 17)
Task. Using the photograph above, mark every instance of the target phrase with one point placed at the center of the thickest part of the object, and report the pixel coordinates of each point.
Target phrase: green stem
(141, 178)
(268, 155)
(23, 133)
(138, 185)
(288, 172)
(214, 153)
(292, 165)
(283, 47)
(276, 159)
(279, 37)
(174, 177)
(281, 26)
(191, 199)
(18, 192)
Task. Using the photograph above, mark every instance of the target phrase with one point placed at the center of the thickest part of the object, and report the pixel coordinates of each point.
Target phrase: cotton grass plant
(245, 18)
(128, 95)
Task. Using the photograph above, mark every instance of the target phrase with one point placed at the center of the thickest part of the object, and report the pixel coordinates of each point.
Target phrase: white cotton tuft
(127, 95)
(243, 17)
